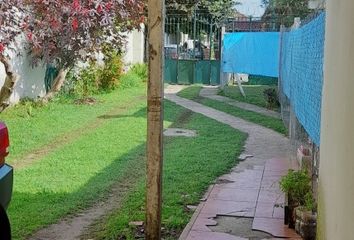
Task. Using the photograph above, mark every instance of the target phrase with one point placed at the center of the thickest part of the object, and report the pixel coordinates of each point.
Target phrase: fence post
(194, 30)
(155, 120)
(283, 107)
(223, 81)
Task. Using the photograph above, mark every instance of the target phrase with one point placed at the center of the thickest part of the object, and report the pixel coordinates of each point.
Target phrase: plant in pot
(296, 185)
(306, 218)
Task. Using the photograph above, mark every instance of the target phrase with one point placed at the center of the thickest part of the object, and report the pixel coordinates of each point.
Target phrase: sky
(250, 8)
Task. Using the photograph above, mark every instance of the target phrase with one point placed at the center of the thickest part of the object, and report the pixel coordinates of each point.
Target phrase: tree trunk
(9, 84)
(56, 86)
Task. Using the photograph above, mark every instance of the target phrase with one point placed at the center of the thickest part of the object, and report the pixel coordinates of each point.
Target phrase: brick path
(251, 189)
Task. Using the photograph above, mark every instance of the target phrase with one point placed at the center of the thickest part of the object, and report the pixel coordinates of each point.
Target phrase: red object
(75, 24)
(4, 143)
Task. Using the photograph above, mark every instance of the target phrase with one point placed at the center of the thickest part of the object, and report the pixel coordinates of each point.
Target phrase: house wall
(31, 82)
(135, 46)
(336, 191)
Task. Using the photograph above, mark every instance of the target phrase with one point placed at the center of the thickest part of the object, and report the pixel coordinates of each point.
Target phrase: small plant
(297, 185)
(141, 70)
(310, 204)
(271, 97)
(86, 82)
(129, 80)
(111, 73)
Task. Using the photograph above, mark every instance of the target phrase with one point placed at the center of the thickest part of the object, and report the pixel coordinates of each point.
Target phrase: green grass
(56, 118)
(190, 166)
(254, 94)
(75, 176)
(192, 93)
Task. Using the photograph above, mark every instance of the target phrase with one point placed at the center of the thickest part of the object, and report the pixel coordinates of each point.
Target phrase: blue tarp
(302, 73)
(254, 53)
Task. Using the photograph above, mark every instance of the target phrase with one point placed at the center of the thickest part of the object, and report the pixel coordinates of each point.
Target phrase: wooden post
(155, 120)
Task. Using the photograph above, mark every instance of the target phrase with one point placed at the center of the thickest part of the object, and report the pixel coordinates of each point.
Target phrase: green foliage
(141, 70)
(297, 184)
(95, 79)
(272, 98)
(310, 203)
(86, 82)
(219, 10)
(284, 11)
(111, 73)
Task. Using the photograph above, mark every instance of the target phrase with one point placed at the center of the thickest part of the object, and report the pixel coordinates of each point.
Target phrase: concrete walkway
(251, 190)
(211, 93)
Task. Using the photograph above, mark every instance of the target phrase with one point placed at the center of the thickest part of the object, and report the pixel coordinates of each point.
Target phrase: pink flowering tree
(11, 22)
(63, 32)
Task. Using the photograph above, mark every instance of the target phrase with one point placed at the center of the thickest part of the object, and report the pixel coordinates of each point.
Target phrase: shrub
(271, 97)
(297, 184)
(94, 79)
(141, 70)
(86, 82)
(112, 71)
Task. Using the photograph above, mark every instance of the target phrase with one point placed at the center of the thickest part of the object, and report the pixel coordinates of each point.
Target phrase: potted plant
(296, 185)
(306, 218)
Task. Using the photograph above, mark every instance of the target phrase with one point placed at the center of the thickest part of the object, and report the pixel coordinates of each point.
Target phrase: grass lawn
(190, 166)
(77, 175)
(61, 116)
(254, 94)
(266, 121)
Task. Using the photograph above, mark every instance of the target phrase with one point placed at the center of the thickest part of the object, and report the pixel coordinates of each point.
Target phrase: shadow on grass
(141, 113)
(31, 211)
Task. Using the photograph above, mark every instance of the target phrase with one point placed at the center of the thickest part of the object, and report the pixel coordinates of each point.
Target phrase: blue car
(6, 181)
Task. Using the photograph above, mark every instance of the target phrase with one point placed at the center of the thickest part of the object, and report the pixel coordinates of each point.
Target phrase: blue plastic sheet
(254, 53)
(302, 73)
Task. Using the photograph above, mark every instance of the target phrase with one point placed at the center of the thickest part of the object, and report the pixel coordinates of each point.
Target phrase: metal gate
(192, 49)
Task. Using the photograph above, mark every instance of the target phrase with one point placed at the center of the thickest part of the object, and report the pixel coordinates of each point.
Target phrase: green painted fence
(192, 71)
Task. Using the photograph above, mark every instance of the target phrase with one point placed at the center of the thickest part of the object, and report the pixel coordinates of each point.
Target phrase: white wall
(336, 181)
(31, 82)
(135, 47)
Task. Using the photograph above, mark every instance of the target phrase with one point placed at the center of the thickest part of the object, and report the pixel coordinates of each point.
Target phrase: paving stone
(236, 195)
(255, 180)
(197, 235)
(230, 208)
(274, 226)
(271, 196)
